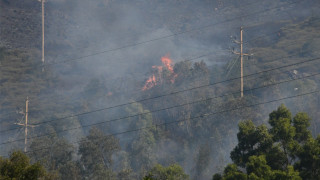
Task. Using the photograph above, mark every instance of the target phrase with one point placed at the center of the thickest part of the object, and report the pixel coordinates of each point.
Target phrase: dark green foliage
(301, 122)
(276, 158)
(232, 172)
(172, 172)
(281, 129)
(252, 141)
(257, 167)
(309, 159)
(273, 154)
(18, 167)
(217, 177)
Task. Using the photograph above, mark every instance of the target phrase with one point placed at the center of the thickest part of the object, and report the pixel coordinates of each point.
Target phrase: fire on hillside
(156, 77)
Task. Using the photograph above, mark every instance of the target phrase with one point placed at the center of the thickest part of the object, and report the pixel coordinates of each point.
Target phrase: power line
(205, 55)
(258, 37)
(244, 42)
(271, 33)
(196, 117)
(192, 59)
(223, 21)
(149, 112)
(163, 95)
(136, 34)
(209, 54)
(164, 37)
(168, 36)
(282, 72)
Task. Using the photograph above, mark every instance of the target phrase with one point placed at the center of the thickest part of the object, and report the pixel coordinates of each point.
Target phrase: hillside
(131, 84)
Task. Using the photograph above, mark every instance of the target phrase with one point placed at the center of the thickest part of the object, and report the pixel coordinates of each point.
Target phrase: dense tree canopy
(284, 151)
(18, 166)
(172, 172)
(96, 151)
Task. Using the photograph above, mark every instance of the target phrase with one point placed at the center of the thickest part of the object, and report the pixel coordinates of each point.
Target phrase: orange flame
(167, 62)
(150, 83)
(153, 80)
(173, 78)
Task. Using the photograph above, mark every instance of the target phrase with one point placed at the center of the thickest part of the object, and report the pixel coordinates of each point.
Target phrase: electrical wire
(205, 55)
(163, 95)
(117, 119)
(196, 117)
(244, 42)
(163, 37)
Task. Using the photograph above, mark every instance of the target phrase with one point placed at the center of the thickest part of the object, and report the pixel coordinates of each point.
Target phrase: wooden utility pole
(42, 6)
(42, 15)
(241, 59)
(26, 125)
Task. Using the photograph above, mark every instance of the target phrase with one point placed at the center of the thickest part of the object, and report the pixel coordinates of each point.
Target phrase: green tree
(282, 130)
(257, 168)
(216, 177)
(252, 141)
(309, 159)
(276, 158)
(18, 167)
(96, 151)
(56, 156)
(289, 173)
(141, 149)
(172, 172)
(232, 172)
(301, 122)
(285, 151)
(70, 171)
